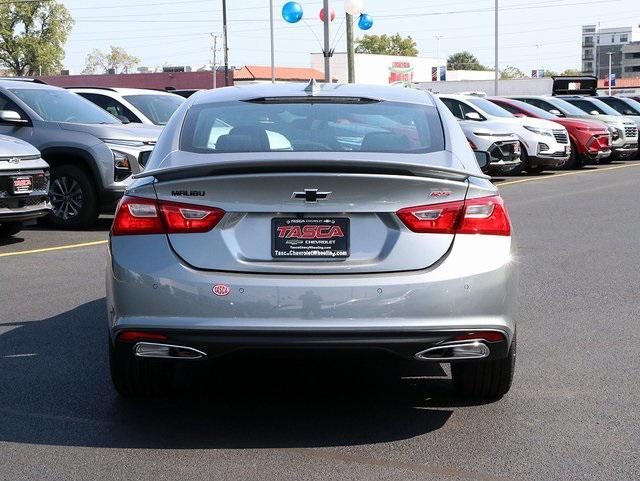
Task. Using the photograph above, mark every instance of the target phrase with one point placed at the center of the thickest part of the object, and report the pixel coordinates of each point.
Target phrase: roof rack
(25, 79)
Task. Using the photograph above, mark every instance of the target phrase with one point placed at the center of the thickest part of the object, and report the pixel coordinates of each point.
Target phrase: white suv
(543, 143)
(152, 107)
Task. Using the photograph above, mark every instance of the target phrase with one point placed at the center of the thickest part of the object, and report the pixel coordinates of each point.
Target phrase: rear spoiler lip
(288, 165)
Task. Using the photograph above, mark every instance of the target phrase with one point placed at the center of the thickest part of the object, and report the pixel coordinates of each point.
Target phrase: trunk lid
(362, 203)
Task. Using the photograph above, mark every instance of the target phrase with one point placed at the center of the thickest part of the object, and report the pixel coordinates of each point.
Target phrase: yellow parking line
(555, 176)
(58, 248)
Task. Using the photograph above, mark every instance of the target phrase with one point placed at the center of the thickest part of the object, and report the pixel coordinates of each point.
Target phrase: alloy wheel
(66, 197)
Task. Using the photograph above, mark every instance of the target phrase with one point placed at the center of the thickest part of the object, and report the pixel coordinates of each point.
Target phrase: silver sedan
(313, 217)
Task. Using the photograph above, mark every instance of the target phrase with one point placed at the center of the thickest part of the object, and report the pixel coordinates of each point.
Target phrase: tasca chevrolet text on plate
(313, 217)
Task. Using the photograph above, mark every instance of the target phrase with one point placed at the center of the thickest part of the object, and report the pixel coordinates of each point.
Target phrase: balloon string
(314, 33)
(335, 36)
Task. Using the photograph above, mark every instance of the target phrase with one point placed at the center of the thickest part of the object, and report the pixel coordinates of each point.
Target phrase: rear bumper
(150, 289)
(402, 344)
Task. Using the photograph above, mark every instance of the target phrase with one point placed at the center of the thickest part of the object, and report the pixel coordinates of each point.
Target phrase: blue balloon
(365, 22)
(292, 12)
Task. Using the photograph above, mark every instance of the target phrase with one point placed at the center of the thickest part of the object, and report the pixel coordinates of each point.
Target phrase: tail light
(491, 336)
(137, 216)
(132, 336)
(486, 215)
(472, 145)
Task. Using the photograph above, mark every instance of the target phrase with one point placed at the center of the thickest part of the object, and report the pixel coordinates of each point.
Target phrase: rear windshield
(312, 126)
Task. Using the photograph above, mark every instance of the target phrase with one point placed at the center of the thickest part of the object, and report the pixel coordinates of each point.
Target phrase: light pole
(437, 37)
(273, 50)
(226, 43)
(610, 54)
(496, 73)
(327, 39)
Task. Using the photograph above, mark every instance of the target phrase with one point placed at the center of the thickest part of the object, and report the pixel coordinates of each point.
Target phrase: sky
(533, 33)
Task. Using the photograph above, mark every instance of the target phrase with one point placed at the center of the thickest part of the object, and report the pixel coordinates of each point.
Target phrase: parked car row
(86, 153)
(94, 139)
(552, 132)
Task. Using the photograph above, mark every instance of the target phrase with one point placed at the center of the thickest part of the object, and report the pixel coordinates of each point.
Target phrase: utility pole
(351, 68)
(213, 63)
(610, 54)
(327, 39)
(273, 48)
(437, 37)
(226, 43)
(496, 73)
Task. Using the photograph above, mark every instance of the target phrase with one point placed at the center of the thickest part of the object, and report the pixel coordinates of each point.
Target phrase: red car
(590, 141)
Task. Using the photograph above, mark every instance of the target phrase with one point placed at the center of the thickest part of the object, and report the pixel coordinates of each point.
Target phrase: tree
(387, 45)
(464, 61)
(117, 60)
(511, 72)
(32, 37)
(572, 72)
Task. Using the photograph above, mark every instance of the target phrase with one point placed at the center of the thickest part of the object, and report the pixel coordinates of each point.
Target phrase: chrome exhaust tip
(454, 352)
(166, 351)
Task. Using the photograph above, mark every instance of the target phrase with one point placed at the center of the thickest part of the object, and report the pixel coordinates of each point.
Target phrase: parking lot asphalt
(572, 413)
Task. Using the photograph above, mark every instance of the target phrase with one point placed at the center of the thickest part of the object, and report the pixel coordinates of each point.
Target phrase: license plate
(310, 238)
(22, 184)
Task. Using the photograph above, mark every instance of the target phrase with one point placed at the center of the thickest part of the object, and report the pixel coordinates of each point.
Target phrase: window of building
(624, 38)
(613, 39)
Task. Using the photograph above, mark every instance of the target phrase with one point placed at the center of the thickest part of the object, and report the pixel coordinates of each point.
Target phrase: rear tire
(73, 197)
(7, 229)
(485, 379)
(138, 378)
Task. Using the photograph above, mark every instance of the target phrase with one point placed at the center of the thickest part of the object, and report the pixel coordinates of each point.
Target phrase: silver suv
(91, 153)
(24, 183)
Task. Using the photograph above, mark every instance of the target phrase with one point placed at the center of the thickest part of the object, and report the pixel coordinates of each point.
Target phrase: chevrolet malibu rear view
(316, 218)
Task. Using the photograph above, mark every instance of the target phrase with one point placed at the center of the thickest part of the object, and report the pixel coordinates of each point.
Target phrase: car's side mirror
(123, 119)
(482, 157)
(472, 116)
(520, 115)
(12, 117)
(555, 112)
(594, 112)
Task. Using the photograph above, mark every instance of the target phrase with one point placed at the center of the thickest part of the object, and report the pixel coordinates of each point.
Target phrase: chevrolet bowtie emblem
(311, 195)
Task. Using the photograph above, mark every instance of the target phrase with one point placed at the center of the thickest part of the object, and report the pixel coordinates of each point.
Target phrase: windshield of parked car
(624, 106)
(515, 106)
(157, 108)
(566, 107)
(490, 108)
(593, 105)
(63, 106)
(312, 125)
